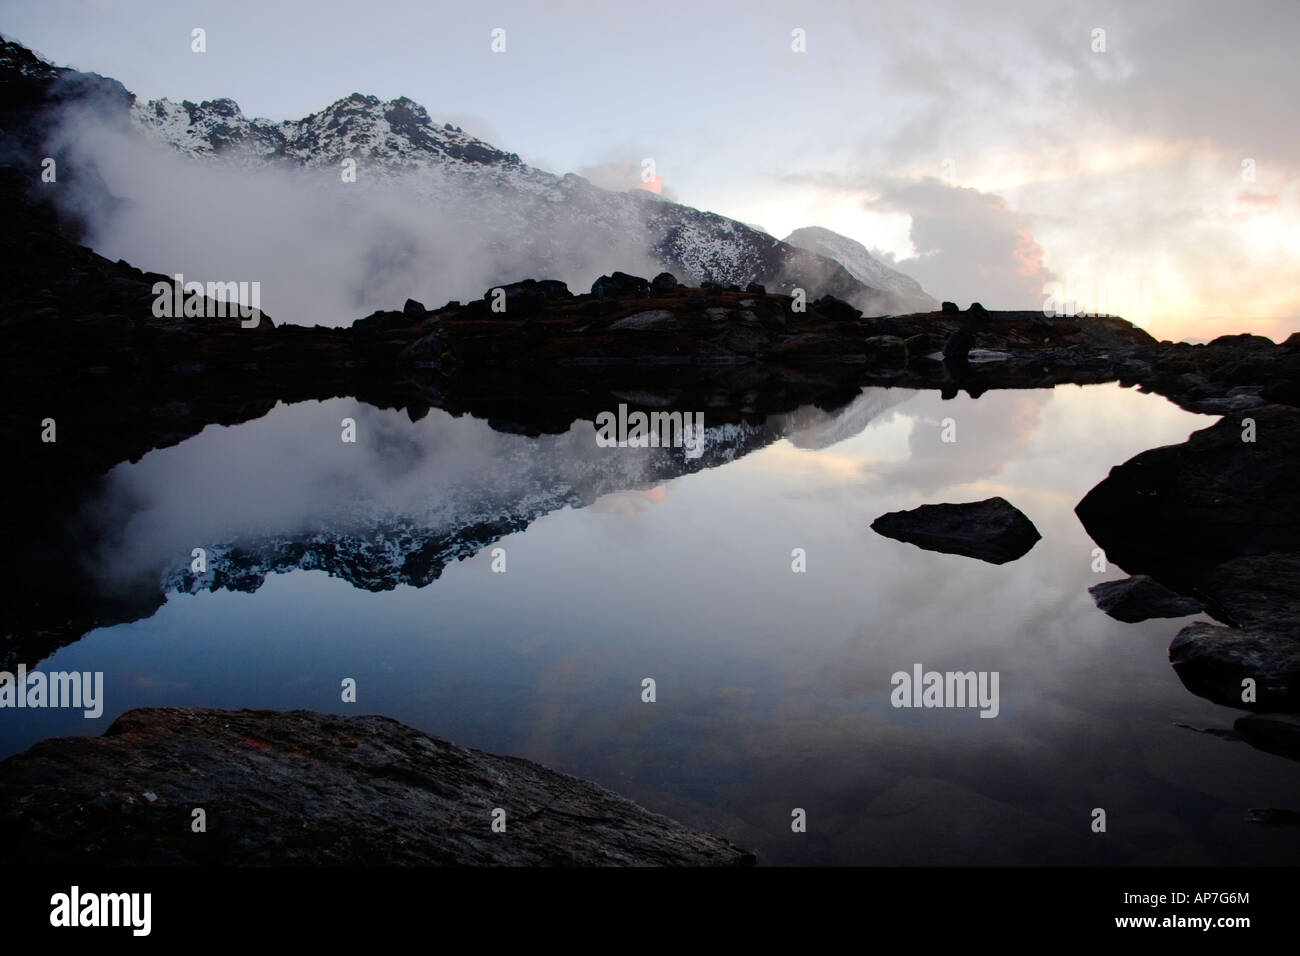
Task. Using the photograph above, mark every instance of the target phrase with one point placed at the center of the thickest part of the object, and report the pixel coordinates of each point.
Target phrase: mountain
(854, 257)
(434, 212)
(390, 136)
(397, 141)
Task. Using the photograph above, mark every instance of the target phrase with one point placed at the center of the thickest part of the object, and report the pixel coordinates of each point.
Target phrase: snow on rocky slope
(854, 257)
(434, 213)
(396, 141)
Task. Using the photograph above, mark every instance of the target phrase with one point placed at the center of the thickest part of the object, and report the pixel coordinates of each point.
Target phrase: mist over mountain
(854, 257)
(365, 203)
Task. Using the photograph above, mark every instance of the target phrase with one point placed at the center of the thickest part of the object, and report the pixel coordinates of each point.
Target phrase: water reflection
(773, 687)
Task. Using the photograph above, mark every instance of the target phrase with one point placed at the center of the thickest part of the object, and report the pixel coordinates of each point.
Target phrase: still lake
(374, 561)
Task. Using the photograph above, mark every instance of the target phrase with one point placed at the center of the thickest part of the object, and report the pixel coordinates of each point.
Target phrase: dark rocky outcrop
(1259, 595)
(1179, 511)
(1141, 598)
(920, 347)
(886, 351)
(621, 284)
(992, 530)
(1217, 517)
(1259, 590)
(302, 788)
(1214, 661)
(837, 309)
(530, 295)
(1230, 375)
(956, 350)
(663, 282)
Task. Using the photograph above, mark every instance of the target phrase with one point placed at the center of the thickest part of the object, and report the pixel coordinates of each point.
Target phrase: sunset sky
(987, 153)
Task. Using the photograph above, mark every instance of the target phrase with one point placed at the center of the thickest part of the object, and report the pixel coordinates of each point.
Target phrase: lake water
(773, 687)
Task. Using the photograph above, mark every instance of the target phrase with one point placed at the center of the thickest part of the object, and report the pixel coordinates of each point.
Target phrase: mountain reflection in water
(373, 561)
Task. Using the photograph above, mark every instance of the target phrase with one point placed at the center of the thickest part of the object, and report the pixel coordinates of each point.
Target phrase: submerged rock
(992, 530)
(305, 788)
(1141, 598)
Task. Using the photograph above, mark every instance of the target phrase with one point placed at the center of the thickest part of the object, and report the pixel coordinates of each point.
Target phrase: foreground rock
(1259, 590)
(992, 530)
(1259, 596)
(1213, 662)
(1218, 517)
(1141, 598)
(1231, 375)
(1179, 511)
(305, 788)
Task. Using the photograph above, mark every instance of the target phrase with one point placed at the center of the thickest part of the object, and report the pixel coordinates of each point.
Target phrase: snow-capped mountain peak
(395, 135)
(451, 214)
(854, 257)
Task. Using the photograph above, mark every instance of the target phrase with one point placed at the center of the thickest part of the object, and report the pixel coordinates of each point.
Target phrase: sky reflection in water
(773, 687)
